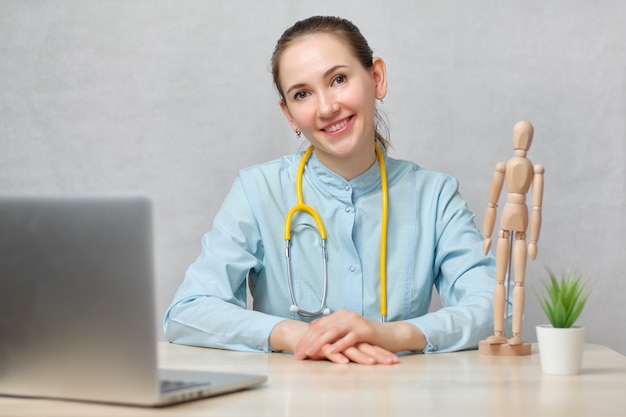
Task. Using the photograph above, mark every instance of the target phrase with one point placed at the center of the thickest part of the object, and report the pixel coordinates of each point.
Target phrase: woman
(328, 84)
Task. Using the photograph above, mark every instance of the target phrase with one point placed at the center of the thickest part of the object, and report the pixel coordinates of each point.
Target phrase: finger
(380, 355)
(306, 348)
(336, 357)
(367, 354)
(316, 337)
(358, 356)
(348, 340)
(326, 354)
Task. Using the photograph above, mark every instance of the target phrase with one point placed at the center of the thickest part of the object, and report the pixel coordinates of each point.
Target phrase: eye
(340, 79)
(300, 95)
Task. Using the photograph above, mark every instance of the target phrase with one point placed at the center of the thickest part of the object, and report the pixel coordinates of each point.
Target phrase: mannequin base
(504, 349)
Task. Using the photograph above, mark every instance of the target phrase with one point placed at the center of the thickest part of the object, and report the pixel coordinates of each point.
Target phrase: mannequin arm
(497, 181)
(535, 218)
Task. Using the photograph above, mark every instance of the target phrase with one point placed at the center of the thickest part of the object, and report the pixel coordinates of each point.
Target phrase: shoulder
(403, 171)
(269, 179)
(270, 169)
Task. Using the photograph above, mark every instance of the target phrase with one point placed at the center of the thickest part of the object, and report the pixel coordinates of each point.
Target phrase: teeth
(337, 126)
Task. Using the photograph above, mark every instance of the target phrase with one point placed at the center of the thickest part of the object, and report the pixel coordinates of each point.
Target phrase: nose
(327, 105)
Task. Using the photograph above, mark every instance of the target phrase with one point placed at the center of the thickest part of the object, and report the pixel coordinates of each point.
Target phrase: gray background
(171, 98)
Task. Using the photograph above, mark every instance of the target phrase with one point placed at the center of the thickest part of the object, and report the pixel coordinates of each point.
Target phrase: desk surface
(451, 384)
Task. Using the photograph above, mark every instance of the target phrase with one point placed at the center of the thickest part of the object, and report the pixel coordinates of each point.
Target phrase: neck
(352, 166)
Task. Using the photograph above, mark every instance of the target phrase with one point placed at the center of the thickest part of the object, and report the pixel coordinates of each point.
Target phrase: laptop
(77, 305)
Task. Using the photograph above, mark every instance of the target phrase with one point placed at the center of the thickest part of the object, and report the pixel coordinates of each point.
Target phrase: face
(331, 98)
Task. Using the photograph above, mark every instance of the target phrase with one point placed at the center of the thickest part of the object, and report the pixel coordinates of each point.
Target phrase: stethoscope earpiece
(295, 309)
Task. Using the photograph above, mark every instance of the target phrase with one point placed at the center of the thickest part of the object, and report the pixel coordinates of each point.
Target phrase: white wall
(171, 98)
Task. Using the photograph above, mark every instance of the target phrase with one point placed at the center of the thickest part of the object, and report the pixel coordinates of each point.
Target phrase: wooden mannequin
(518, 175)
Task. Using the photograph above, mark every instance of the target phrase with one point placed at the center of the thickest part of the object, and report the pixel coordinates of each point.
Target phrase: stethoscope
(301, 206)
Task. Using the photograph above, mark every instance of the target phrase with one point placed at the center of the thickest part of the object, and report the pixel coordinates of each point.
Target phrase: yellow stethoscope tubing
(383, 234)
(301, 206)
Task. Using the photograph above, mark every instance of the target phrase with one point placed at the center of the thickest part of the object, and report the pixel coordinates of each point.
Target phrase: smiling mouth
(337, 126)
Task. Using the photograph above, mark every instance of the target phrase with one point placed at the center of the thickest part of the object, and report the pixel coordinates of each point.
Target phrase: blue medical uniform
(432, 243)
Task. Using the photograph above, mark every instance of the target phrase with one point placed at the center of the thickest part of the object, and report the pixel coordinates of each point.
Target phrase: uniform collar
(337, 185)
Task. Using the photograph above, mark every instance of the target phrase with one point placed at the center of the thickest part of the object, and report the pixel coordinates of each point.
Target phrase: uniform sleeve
(209, 308)
(464, 278)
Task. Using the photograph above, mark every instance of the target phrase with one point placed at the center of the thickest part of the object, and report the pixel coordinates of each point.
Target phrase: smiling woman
(328, 82)
(330, 97)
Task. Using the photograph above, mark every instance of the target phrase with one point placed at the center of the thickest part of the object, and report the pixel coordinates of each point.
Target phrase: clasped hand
(345, 336)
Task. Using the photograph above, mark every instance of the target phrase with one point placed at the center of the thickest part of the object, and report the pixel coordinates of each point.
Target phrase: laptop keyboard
(170, 385)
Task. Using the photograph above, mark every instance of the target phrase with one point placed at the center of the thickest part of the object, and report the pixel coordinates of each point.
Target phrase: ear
(287, 114)
(379, 71)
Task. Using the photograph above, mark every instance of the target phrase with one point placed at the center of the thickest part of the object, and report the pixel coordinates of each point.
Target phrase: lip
(349, 122)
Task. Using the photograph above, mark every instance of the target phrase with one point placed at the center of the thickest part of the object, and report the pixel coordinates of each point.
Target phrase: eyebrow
(326, 74)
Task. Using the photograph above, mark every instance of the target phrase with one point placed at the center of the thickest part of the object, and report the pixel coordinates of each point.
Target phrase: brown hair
(343, 29)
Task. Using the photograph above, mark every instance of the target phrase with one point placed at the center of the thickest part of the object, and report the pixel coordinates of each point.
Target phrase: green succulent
(566, 297)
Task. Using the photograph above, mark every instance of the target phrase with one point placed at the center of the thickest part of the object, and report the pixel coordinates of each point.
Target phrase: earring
(298, 133)
(381, 100)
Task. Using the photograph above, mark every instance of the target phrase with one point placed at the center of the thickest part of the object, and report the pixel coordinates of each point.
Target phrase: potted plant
(561, 343)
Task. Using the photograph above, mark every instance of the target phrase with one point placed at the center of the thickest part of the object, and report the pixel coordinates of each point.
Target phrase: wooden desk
(457, 384)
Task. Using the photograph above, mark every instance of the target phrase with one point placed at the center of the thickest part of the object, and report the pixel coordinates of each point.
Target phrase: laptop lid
(77, 304)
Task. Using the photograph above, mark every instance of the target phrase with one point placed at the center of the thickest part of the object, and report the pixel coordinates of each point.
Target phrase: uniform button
(348, 209)
(352, 268)
(347, 187)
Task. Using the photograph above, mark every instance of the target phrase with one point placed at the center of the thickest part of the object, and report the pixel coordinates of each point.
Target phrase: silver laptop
(77, 305)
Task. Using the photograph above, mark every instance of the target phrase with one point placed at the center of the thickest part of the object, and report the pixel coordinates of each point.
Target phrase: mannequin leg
(499, 292)
(519, 293)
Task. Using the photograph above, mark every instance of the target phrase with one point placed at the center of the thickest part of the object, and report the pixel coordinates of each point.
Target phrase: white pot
(560, 350)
